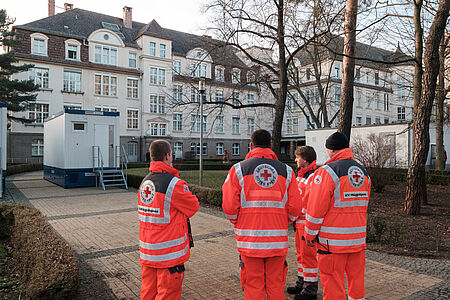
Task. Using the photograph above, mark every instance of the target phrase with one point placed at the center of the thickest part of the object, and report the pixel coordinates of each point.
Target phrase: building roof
(79, 24)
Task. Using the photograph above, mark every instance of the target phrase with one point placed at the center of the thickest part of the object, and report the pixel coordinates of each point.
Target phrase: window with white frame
(177, 122)
(132, 87)
(401, 113)
(235, 98)
(106, 108)
(37, 147)
(197, 70)
(337, 94)
(105, 85)
(177, 67)
(251, 100)
(162, 50)
(235, 149)
(377, 101)
(72, 81)
(178, 147)
(178, 92)
(157, 76)
(337, 70)
(132, 149)
(105, 55)
(358, 98)
(292, 125)
(132, 59)
(132, 118)
(38, 112)
(250, 125)
(152, 49)
(358, 74)
(72, 52)
(368, 120)
(377, 120)
(358, 120)
(196, 95)
(251, 78)
(386, 102)
(401, 87)
(40, 77)
(195, 148)
(158, 104)
(291, 99)
(219, 124)
(39, 44)
(368, 100)
(219, 95)
(308, 123)
(74, 106)
(220, 74)
(235, 124)
(235, 76)
(195, 123)
(219, 148)
(158, 129)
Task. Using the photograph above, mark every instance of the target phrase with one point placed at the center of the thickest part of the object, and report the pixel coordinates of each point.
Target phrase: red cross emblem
(266, 175)
(147, 191)
(356, 177)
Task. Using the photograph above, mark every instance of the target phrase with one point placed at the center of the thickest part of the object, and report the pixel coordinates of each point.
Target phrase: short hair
(159, 149)
(307, 153)
(260, 138)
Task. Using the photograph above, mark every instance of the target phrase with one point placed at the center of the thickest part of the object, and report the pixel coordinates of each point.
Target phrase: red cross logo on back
(266, 175)
(356, 177)
(147, 191)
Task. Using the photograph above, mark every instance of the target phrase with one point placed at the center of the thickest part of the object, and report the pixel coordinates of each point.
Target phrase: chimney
(128, 16)
(68, 6)
(51, 8)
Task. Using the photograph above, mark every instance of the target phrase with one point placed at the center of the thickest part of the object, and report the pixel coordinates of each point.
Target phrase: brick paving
(102, 227)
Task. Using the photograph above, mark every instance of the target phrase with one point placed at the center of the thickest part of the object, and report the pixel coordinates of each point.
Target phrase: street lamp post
(202, 90)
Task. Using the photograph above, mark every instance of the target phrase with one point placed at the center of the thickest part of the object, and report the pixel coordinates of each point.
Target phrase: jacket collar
(161, 167)
(262, 153)
(303, 171)
(342, 154)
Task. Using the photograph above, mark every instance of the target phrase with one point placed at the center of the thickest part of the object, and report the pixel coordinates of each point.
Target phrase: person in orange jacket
(307, 283)
(164, 204)
(260, 198)
(336, 219)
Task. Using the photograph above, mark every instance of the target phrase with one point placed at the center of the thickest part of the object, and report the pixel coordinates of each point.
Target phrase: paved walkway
(102, 227)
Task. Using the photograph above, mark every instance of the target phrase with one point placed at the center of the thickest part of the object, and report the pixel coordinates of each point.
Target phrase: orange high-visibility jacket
(337, 205)
(165, 202)
(260, 197)
(304, 175)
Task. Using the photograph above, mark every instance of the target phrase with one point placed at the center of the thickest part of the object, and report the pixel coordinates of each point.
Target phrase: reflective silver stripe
(310, 270)
(350, 298)
(165, 257)
(299, 274)
(299, 266)
(288, 181)
(292, 218)
(238, 170)
(343, 230)
(313, 220)
(163, 245)
(251, 232)
(300, 221)
(310, 279)
(233, 217)
(331, 242)
(311, 232)
(262, 246)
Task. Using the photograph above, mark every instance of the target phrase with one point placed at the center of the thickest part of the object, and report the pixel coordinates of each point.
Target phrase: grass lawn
(211, 178)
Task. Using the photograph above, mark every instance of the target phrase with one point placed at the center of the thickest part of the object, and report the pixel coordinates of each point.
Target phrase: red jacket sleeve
(231, 199)
(320, 194)
(183, 199)
(294, 200)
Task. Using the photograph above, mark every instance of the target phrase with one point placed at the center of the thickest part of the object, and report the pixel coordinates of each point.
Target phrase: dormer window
(38, 44)
(73, 49)
(219, 74)
(236, 76)
(105, 55)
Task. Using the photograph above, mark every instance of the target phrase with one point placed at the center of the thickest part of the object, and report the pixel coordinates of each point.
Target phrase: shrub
(207, 195)
(379, 227)
(6, 220)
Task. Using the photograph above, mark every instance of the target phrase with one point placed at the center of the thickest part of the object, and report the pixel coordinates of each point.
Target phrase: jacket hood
(342, 154)
(303, 171)
(161, 167)
(261, 153)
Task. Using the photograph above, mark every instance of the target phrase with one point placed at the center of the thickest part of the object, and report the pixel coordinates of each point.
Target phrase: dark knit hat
(337, 141)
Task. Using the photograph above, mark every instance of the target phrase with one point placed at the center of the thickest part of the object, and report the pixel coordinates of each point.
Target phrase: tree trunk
(348, 68)
(440, 97)
(416, 172)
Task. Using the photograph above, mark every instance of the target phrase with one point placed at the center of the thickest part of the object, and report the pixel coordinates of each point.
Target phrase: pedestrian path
(102, 227)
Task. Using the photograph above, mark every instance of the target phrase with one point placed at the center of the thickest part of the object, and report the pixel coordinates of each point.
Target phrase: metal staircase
(110, 176)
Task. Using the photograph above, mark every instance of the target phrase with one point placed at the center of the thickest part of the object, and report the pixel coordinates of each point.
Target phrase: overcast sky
(183, 15)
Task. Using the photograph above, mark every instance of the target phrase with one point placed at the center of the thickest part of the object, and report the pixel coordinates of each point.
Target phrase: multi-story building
(91, 61)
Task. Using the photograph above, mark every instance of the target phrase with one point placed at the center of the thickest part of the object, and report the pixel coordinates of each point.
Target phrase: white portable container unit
(78, 142)
(3, 130)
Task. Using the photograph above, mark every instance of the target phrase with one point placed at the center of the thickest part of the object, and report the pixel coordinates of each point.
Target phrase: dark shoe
(294, 290)
(305, 297)
(309, 291)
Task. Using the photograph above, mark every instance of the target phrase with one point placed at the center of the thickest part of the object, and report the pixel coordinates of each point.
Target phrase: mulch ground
(9, 279)
(424, 235)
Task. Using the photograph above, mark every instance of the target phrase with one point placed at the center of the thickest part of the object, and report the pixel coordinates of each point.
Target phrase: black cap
(337, 141)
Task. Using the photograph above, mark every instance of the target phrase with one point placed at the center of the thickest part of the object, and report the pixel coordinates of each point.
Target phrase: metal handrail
(124, 161)
(100, 162)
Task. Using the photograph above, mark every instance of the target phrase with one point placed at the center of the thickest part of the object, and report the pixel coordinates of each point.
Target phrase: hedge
(21, 168)
(46, 264)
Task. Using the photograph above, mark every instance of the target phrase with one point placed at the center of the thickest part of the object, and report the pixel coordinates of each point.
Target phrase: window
(358, 120)
(132, 118)
(358, 98)
(401, 115)
(72, 81)
(132, 62)
(132, 149)
(368, 120)
(37, 147)
(219, 149)
(291, 99)
(219, 124)
(40, 77)
(76, 106)
(251, 100)
(197, 70)
(251, 79)
(72, 52)
(235, 125)
(38, 112)
(401, 85)
(195, 123)
(177, 122)
(219, 95)
(337, 94)
(105, 55)
(162, 50)
(337, 70)
(158, 129)
(195, 95)
(235, 98)
(308, 74)
(219, 74)
(177, 67)
(157, 104)
(152, 49)
(368, 101)
(386, 102)
(292, 125)
(309, 124)
(80, 127)
(358, 74)
(236, 77)
(157, 76)
(132, 87)
(386, 120)
(235, 149)
(377, 101)
(105, 85)
(178, 92)
(377, 78)
(377, 120)
(178, 148)
(250, 125)
(368, 77)
(105, 108)
(195, 148)
(38, 44)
